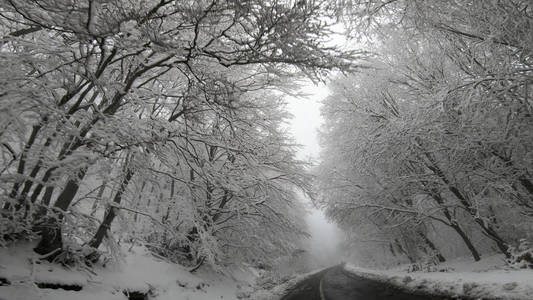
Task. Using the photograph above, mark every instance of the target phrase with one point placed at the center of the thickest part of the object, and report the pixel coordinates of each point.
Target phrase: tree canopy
(161, 113)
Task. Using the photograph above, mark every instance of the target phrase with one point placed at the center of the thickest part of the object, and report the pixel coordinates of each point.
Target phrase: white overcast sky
(306, 110)
(307, 119)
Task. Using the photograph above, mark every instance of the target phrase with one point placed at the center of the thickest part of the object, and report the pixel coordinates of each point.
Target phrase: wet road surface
(338, 284)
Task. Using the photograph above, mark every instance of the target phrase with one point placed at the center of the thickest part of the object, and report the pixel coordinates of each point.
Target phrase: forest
(163, 123)
(156, 122)
(427, 152)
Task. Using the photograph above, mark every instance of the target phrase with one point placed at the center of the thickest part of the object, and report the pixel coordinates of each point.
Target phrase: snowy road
(337, 284)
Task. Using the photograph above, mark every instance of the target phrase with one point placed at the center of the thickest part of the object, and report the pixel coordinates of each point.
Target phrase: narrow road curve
(336, 283)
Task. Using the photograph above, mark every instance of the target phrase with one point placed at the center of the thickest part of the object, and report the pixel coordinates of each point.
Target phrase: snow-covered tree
(101, 99)
(439, 131)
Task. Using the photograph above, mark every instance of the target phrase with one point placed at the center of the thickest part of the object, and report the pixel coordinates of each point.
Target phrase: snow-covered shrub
(269, 280)
(521, 256)
(428, 264)
(12, 228)
(73, 255)
(167, 246)
(271, 286)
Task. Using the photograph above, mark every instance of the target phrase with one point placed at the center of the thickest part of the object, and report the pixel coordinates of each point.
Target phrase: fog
(325, 236)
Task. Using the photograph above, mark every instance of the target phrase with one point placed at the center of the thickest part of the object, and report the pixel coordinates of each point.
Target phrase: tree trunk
(43, 209)
(402, 250)
(493, 235)
(98, 197)
(167, 214)
(432, 246)
(39, 187)
(136, 215)
(22, 163)
(453, 224)
(466, 203)
(110, 214)
(391, 249)
(51, 235)
(467, 241)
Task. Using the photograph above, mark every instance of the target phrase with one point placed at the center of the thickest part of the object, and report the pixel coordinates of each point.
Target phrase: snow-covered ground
(139, 272)
(462, 277)
(278, 291)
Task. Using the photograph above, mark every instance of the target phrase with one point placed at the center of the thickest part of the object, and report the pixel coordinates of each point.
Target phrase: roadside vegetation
(428, 153)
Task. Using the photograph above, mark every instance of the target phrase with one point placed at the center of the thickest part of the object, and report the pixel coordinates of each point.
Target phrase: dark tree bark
(466, 203)
(432, 246)
(169, 207)
(391, 249)
(402, 250)
(51, 236)
(98, 197)
(110, 214)
(136, 215)
(436, 196)
(453, 224)
(21, 166)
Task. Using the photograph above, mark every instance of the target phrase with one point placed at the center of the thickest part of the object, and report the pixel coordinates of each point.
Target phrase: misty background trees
(428, 153)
